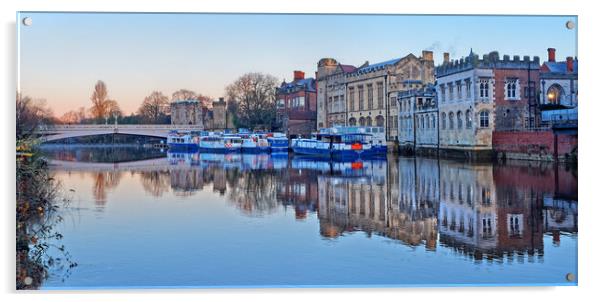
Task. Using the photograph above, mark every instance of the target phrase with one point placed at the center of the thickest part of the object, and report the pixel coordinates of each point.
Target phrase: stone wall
(534, 145)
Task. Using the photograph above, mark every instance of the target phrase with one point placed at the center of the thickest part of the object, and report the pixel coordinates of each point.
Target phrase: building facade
(217, 118)
(296, 105)
(418, 125)
(477, 96)
(372, 90)
(331, 88)
(558, 81)
(186, 112)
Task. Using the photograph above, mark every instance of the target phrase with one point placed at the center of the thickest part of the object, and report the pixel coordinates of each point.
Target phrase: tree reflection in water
(481, 211)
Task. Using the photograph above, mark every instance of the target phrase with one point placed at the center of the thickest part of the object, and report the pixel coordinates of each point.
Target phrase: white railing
(117, 127)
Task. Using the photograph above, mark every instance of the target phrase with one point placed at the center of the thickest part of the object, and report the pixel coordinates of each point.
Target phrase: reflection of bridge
(56, 132)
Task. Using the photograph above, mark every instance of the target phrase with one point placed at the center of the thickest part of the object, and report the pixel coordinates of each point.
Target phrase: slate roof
(348, 68)
(560, 67)
(303, 84)
(377, 66)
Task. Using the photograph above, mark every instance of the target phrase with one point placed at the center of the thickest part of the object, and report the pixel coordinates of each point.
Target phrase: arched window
(368, 121)
(484, 89)
(380, 121)
(434, 121)
(468, 119)
(555, 94)
(484, 119)
(451, 120)
(511, 88)
(362, 121)
(352, 121)
(459, 117)
(443, 119)
(422, 121)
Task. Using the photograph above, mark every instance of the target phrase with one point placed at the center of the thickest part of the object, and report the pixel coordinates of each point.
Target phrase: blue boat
(220, 143)
(376, 137)
(278, 143)
(254, 143)
(183, 140)
(333, 145)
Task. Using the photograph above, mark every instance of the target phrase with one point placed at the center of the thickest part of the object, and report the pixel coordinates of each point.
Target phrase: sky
(62, 55)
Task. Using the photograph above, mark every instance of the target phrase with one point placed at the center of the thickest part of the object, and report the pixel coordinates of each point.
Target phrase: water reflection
(480, 212)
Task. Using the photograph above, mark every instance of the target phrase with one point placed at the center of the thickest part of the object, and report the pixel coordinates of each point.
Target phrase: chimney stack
(446, 57)
(551, 55)
(569, 64)
(298, 75)
(427, 55)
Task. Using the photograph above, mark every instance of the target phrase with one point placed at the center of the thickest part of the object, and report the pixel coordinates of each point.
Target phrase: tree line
(250, 98)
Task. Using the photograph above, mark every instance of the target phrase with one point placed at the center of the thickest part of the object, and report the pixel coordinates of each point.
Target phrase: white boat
(220, 143)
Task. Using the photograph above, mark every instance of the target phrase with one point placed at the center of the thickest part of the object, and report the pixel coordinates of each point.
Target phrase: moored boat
(333, 145)
(220, 143)
(255, 143)
(183, 140)
(278, 143)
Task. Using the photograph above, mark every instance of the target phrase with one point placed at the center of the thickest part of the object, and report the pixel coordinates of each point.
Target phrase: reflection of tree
(155, 182)
(255, 193)
(186, 182)
(104, 181)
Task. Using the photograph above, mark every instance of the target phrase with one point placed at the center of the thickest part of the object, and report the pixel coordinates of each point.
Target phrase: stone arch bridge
(57, 132)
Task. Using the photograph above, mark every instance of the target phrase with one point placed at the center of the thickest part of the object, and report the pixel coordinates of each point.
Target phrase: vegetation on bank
(37, 201)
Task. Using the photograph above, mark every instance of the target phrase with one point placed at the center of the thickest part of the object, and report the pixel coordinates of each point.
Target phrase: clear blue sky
(63, 54)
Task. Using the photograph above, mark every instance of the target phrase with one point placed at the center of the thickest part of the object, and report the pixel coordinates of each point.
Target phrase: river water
(149, 219)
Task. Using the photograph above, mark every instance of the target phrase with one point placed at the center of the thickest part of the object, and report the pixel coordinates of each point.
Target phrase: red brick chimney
(298, 75)
(551, 54)
(569, 64)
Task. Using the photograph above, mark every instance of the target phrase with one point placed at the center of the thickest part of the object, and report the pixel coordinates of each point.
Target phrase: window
(468, 119)
(422, 121)
(468, 88)
(434, 121)
(459, 90)
(360, 96)
(392, 102)
(330, 104)
(451, 120)
(380, 93)
(351, 99)
(335, 104)
(511, 88)
(484, 119)
(280, 103)
(484, 89)
(450, 89)
(443, 119)
(442, 94)
(370, 96)
(459, 117)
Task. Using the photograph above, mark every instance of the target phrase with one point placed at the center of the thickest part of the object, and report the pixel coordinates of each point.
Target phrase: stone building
(372, 90)
(558, 81)
(331, 87)
(296, 105)
(217, 118)
(418, 129)
(186, 112)
(479, 95)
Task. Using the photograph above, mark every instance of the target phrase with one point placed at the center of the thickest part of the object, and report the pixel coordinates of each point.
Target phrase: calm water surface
(150, 219)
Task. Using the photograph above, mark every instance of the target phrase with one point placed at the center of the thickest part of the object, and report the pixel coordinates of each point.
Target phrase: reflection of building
(186, 112)
(296, 105)
(418, 120)
(331, 86)
(186, 182)
(299, 188)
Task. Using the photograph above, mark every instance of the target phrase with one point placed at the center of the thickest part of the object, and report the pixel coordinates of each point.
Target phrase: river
(150, 219)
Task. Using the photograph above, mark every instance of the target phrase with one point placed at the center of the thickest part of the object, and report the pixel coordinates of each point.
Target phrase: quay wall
(535, 145)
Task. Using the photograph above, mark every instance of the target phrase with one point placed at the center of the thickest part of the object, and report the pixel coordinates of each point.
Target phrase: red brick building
(296, 105)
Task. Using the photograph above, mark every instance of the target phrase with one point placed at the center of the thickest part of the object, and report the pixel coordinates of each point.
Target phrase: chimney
(446, 57)
(427, 55)
(298, 75)
(551, 55)
(569, 64)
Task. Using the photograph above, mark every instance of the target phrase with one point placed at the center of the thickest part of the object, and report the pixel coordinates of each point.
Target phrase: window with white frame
(484, 88)
(512, 90)
(484, 119)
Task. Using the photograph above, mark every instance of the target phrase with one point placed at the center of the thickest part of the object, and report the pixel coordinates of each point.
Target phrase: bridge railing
(46, 128)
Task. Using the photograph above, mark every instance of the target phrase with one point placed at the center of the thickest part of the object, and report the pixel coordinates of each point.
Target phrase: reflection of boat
(254, 143)
(224, 160)
(345, 168)
(183, 140)
(220, 143)
(333, 145)
(188, 158)
(255, 161)
(278, 143)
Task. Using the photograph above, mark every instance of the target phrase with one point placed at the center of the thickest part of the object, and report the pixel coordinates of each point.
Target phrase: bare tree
(113, 108)
(253, 95)
(99, 108)
(154, 108)
(183, 94)
(30, 115)
(205, 100)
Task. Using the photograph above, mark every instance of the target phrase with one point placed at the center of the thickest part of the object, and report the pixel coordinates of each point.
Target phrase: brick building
(296, 105)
